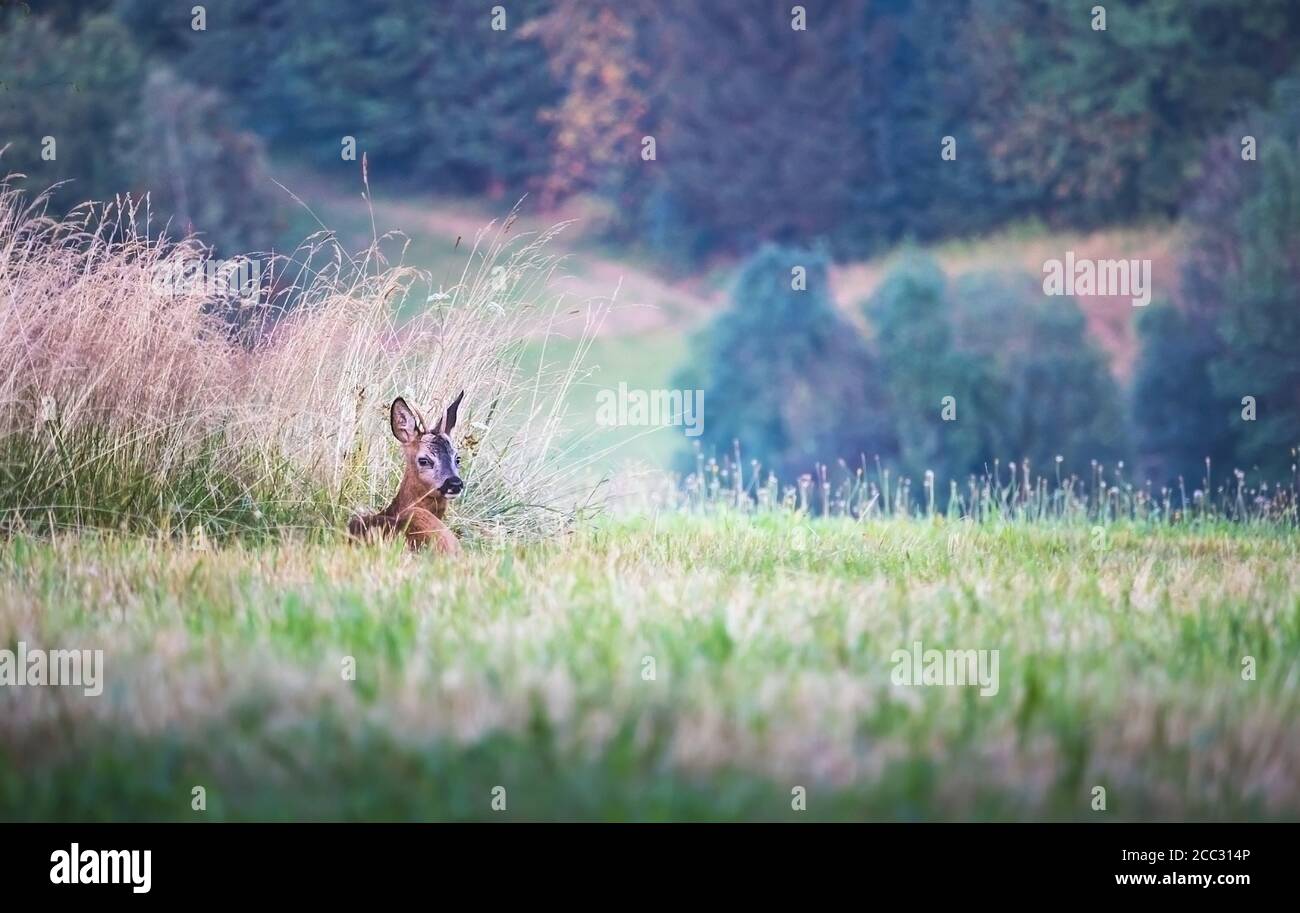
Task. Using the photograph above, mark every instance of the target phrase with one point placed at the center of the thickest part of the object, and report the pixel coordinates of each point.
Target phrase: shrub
(912, 314)
(1051, 383)
(1027, 383)
(784, 374)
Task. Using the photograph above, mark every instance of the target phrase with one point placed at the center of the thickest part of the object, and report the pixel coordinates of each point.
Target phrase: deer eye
(425, 463)
(458, 459)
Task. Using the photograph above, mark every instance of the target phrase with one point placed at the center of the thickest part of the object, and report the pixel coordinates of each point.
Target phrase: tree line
(958, 374)
(816, 123)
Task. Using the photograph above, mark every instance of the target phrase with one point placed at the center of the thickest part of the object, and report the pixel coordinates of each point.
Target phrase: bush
(1027, 384)
(1052, 385)
(913, 321)
(784, 374)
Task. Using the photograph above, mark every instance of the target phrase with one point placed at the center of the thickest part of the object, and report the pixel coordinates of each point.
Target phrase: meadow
(178, 468)
(664, 668)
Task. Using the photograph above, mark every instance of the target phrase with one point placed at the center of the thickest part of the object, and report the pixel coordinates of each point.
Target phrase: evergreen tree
(918, 90)
(1241, 273)
(943, 420)
(1107, 124)
(81, 80)
(200, 171)
(785, 375)
(1177, 417)
(750, 117)
(1050, 385)
(433, 94)
(76, 87)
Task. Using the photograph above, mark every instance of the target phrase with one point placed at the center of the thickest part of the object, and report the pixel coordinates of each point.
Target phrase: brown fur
(419, 510)
(420, 520)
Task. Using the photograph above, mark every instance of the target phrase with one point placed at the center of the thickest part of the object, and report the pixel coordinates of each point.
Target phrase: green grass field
(688, 667)
(175, 499)
(646, 362)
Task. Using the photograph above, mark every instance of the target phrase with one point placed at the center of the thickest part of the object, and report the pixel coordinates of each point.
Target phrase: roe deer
(431, 480)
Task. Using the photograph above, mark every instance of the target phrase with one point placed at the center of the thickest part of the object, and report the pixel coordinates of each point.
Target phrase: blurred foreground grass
(669, 668)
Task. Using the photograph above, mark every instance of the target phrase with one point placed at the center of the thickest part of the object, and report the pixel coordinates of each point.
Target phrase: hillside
(644, 337)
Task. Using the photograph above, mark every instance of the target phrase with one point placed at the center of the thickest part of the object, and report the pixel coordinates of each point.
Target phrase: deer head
(432, 464)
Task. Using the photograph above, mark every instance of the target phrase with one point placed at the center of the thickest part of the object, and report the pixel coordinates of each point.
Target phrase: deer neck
(413, 493)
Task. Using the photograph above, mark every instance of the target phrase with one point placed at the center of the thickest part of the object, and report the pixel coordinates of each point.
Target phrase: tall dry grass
(126, 401)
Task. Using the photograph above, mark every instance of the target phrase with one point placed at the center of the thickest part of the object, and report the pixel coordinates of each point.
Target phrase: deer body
(430, 481)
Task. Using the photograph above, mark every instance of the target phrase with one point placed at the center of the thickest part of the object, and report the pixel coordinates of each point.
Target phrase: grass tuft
(131, 400)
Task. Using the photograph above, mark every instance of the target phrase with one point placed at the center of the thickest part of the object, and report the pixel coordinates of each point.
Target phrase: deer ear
(449, 417)
(406, 424)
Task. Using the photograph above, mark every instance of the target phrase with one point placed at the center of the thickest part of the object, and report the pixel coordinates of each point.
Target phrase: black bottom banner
(332, 861)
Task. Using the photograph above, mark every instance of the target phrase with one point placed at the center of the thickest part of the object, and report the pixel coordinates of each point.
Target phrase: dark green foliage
(433, 96)
(751, 121)
(1054, 389)
(761, 140)
(1107, 125)
(1178, 419)
(116, 130)
(765, 133)
(786, 375)
(914, 338)
(1241, 274)
(72, 86)
(916, 90)
(1026, 381)
(204, 174)
(64, 15)
(796, 384)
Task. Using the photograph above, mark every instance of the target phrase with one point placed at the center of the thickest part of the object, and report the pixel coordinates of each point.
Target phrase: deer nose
(453, 486)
